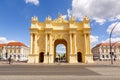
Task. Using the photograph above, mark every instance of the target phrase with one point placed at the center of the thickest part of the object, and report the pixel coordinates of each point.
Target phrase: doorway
(79, 56)
(60, 51)
(41, 57)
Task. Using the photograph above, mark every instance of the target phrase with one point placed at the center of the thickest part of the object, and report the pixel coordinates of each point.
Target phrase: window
(107, 56)
(15, 56)
(103, 56)
(115, 56)
(18, 56)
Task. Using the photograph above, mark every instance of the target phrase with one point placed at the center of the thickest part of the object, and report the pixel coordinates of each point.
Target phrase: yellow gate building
(45, 36)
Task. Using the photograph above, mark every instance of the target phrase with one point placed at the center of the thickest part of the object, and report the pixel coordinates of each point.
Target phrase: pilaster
(71, 51)
(88, 55)
(75, 47)
(35, 44)
(46, 43)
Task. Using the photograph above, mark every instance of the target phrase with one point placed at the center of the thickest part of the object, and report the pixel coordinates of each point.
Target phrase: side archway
(41, 57)
(79, 57)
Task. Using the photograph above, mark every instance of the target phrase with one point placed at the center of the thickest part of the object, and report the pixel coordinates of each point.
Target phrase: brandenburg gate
(45, 36)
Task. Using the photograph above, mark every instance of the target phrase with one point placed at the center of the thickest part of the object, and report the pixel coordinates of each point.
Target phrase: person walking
(9, 59)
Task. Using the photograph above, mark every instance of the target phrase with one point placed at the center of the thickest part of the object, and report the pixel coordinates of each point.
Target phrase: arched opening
(41, 57)
(60, 51)
(79, 57)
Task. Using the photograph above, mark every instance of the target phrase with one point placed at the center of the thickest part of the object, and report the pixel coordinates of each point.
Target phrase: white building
(1, 49)
(102, 51)
(17, 50)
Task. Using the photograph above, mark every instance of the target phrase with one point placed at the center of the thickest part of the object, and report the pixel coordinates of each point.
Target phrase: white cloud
(112, 40)
(35, 2)
(100, 21)
(116, 31)
(101, 9)
(115, 18)
(94, 39)
(69, 13)
(63, 47)
(64, 16)
(60, 48)
(5, 40)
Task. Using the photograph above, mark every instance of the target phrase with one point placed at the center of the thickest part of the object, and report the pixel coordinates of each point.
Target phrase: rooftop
(1, 45)
(13, 44)
(107, 44)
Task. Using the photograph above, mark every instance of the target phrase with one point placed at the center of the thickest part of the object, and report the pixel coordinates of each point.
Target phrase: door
(79, 57)
(41, 57)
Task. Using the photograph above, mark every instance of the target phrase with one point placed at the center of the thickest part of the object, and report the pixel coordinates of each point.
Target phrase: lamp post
(111, 53)
(48, 56)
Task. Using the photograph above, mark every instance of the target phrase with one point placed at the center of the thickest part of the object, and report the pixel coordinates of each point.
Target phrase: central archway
(57, 42)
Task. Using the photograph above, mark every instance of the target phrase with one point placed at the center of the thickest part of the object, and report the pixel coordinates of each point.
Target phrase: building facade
(17, 50)
(45, 36)
(102, 51)
(1, 50)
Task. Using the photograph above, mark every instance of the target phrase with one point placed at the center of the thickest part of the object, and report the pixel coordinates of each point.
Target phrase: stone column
(50, 44)
(85, 50)
(31, 43)
(51, 57)
(46, 57)
(88, 55)
(71, 52)
(32, 57)
(75, 48)
(46, 43)
(35, 44)
(88, 37)
(85, 43)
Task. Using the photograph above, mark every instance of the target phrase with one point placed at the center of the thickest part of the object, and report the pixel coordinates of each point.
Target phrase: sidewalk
(107, 62)
(116, 63)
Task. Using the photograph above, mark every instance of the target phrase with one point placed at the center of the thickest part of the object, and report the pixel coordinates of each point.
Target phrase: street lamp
(48, 56)
(111, 53)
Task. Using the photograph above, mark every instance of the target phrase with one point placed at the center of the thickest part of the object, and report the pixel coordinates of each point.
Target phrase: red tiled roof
(107, 44)
(1, 45)
(16, 44)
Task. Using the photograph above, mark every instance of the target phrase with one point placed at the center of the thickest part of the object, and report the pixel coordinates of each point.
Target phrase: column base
(48, 59)
(73, 58)
(33, 59)
(89, 58)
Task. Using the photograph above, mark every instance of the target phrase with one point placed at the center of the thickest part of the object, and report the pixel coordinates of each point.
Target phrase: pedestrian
(9, 59)
(114, 59)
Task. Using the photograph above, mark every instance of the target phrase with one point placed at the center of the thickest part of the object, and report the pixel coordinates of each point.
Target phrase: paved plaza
(57, 71)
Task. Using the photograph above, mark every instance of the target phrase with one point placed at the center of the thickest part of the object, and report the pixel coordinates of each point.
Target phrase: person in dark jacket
(9, 59)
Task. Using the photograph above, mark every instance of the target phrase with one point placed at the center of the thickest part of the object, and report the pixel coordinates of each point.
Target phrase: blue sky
(15, 16)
